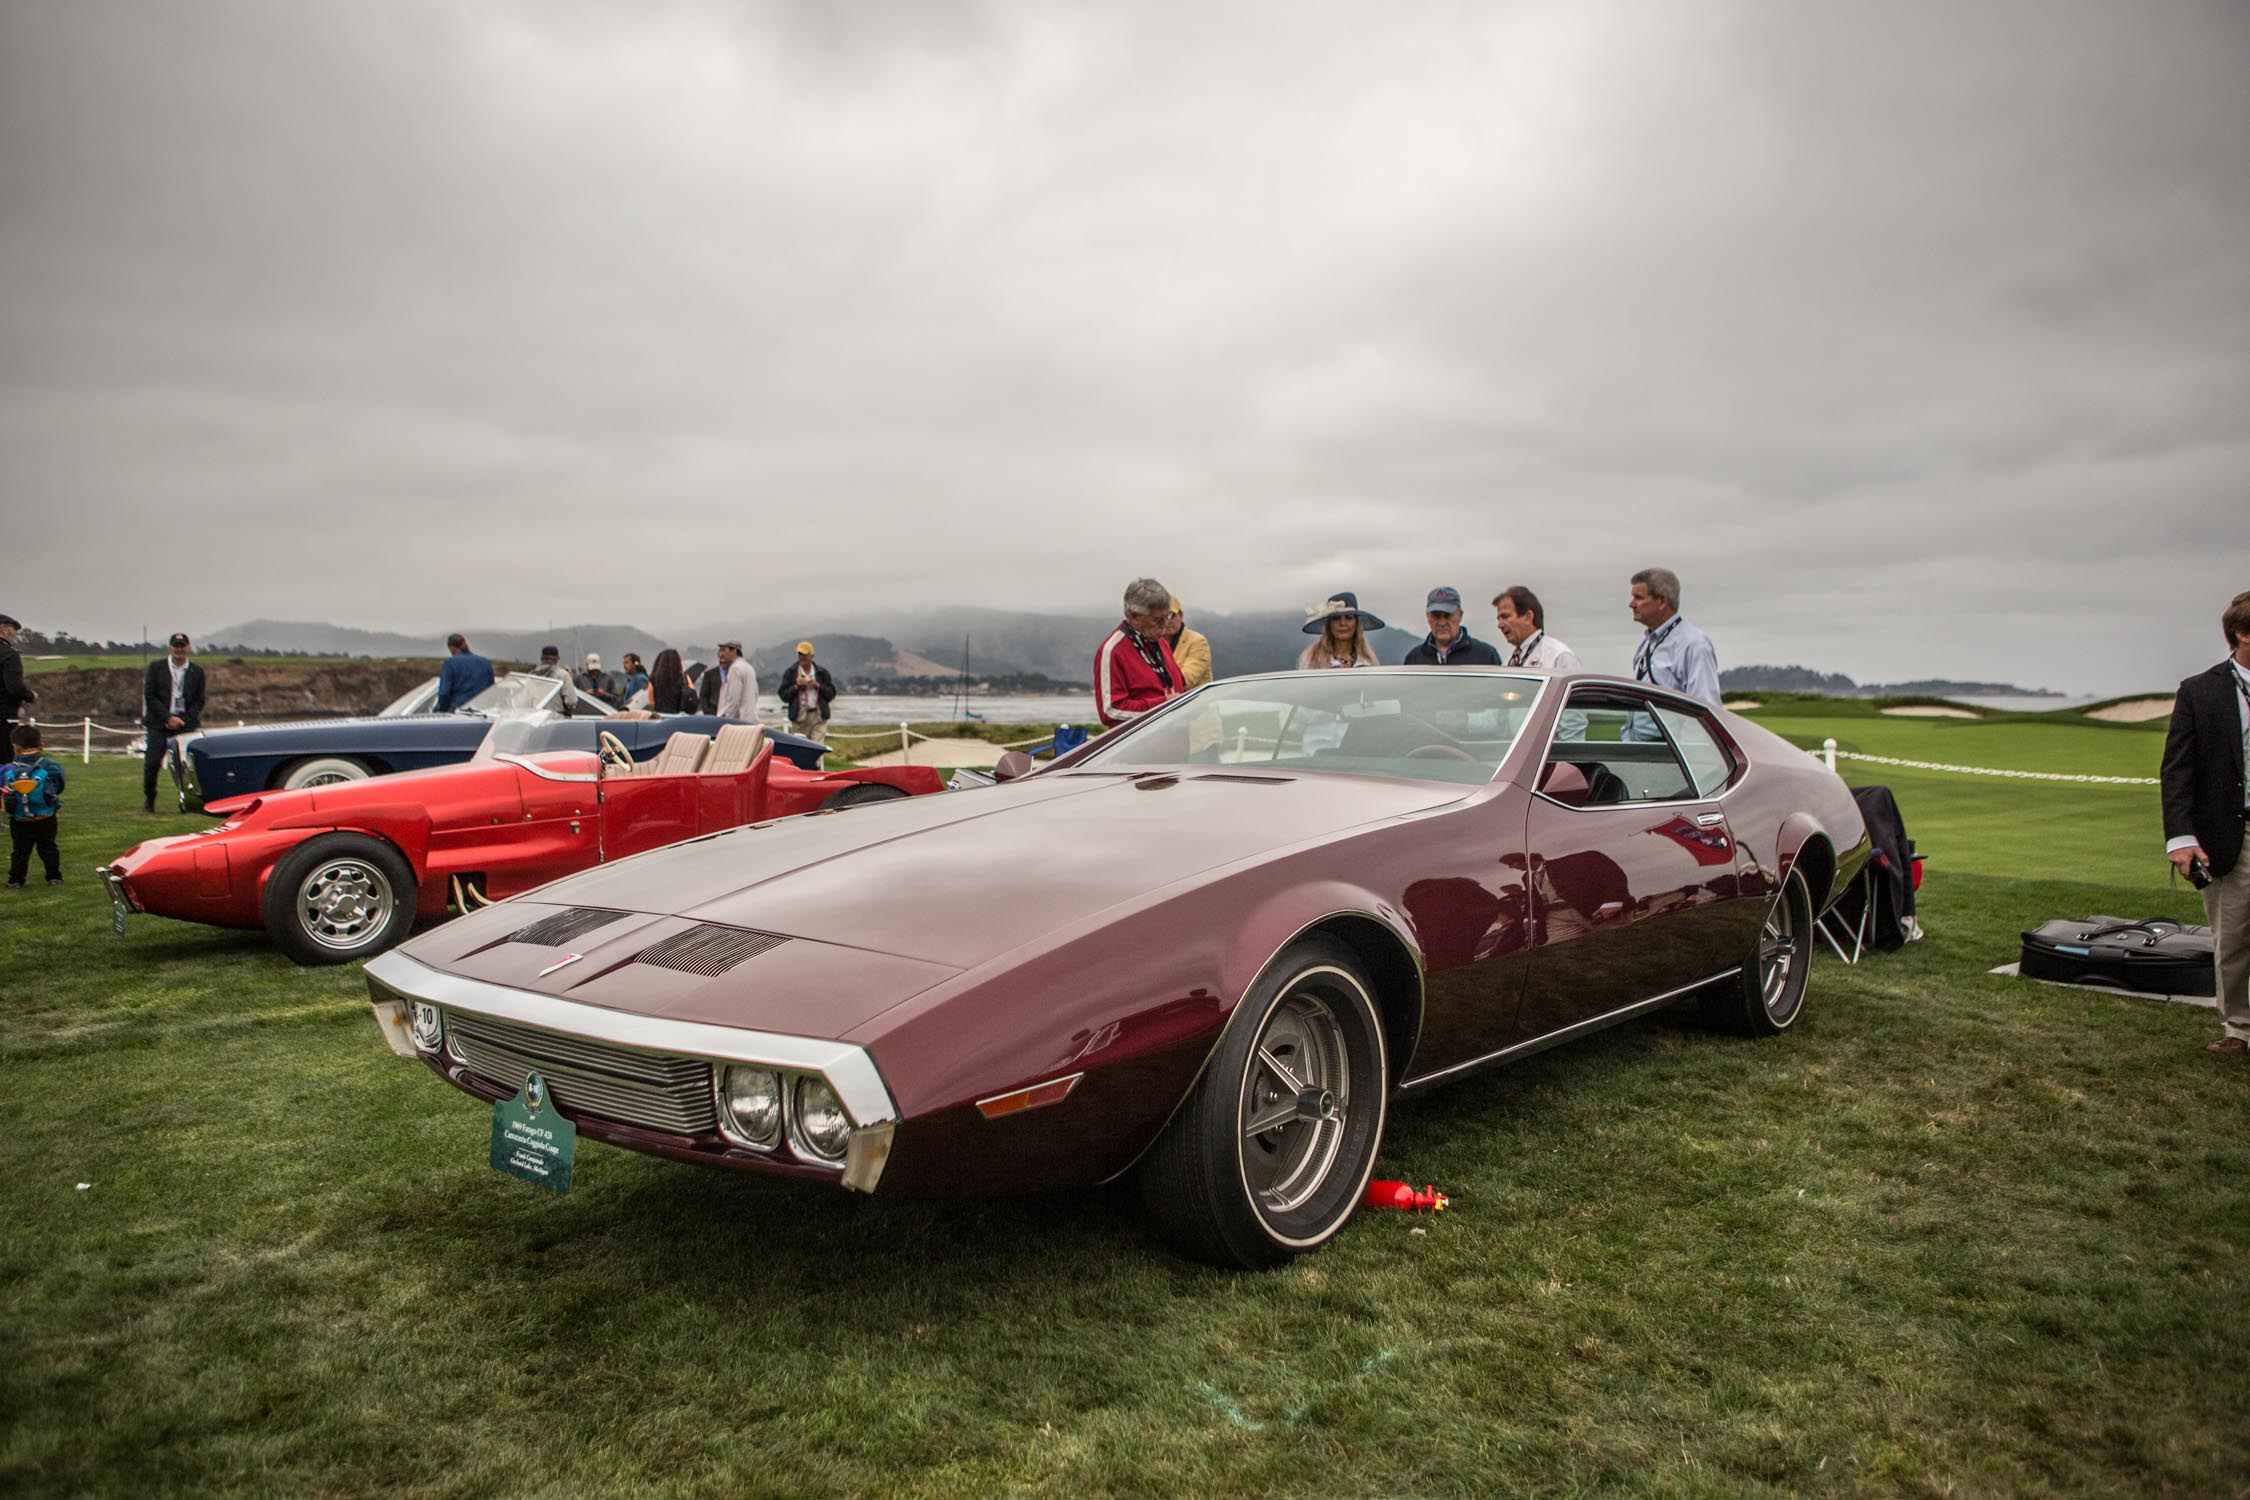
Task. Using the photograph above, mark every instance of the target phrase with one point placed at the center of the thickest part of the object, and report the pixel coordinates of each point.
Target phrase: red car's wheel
(339, 897)
(1269, 1156)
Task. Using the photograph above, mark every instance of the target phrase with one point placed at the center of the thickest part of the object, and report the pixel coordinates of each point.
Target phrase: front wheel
(339, 897)
(1270, 1154)
(1770, 992)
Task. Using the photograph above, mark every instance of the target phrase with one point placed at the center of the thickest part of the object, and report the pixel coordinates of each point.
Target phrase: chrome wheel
(1296, 1103)
(344, 902)
(1777, 958)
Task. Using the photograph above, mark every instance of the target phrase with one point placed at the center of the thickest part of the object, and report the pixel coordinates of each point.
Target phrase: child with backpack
(31, 786)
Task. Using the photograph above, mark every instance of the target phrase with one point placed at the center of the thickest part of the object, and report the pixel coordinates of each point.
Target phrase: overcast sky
(1916, 337)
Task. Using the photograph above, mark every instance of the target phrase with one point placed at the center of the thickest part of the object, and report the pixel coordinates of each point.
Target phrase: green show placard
(530, 1140)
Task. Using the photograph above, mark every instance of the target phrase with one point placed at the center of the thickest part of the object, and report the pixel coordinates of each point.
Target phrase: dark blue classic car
(267, 757)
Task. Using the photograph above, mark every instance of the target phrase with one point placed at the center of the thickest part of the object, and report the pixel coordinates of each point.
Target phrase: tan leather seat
(735, 749)
(682, 755)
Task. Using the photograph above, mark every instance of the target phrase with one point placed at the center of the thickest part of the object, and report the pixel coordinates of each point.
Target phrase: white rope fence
(908, 734)
(1831, 754)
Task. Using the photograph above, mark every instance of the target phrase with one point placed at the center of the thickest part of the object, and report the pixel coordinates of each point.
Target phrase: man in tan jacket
(1189, 648)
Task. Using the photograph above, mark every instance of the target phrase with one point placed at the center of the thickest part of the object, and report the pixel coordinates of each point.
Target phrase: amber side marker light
(1054, 1091)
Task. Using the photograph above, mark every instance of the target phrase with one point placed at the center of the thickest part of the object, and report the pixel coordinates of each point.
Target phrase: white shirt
(179, 687)
(1543, 651)
(738, 690)
(2241, 707)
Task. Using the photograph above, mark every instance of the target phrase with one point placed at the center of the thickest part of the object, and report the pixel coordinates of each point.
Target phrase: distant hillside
(315, 639)
(1837, 685)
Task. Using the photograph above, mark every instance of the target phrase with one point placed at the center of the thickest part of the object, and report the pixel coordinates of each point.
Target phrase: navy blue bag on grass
(2155, 957)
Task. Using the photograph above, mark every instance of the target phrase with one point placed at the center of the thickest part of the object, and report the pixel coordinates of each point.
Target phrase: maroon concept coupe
(1208, 949)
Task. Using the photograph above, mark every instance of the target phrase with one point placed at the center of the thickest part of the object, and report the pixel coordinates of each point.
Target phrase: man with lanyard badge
(2205, 787)
(171, 705)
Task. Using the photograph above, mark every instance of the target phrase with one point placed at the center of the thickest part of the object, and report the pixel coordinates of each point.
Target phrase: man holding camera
(2206, 790)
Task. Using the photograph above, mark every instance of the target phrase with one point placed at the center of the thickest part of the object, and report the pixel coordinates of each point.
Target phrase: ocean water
(879, 709)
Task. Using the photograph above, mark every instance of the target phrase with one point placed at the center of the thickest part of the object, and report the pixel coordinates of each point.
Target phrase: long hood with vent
(675, 967)
(957, 880)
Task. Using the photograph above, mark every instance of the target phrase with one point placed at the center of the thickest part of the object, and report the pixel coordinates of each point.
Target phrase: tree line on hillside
(63, 643)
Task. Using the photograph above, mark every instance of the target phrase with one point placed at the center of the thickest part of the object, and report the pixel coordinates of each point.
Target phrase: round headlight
(753, 1102)
(426, 1024)
(821, 1121)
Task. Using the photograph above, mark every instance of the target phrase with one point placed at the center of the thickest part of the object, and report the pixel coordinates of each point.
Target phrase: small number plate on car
(117, 911)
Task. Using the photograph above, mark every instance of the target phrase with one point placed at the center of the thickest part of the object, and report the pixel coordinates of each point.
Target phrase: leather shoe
(2229, 1046)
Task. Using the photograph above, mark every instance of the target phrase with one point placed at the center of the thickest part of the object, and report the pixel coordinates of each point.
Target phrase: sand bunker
(2139, 711)
(1931, 711)
(978, 753)
(1740, 704)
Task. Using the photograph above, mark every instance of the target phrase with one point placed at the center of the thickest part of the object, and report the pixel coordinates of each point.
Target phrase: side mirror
(1565, 783)
(1012, 765)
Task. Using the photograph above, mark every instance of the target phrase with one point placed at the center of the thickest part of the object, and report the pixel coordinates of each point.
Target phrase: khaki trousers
(812, 726)
(2226, 905)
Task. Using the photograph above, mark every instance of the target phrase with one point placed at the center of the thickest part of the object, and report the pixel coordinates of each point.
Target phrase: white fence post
(1828, 752)
(905, 743)
(86, 751)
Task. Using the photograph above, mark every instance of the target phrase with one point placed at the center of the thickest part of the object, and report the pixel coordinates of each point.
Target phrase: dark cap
(11, 620)
(1443, 601)
(734, 646)
(553, 651)
(179, 638)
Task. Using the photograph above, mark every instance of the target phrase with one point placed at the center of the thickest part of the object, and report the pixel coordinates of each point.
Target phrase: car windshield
(521, 693)
(417, 700)
(1429, 725)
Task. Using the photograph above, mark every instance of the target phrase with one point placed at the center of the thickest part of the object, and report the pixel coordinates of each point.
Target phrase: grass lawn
(1954, 1234)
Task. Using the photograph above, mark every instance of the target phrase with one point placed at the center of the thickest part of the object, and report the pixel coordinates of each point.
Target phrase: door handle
(1710, 820)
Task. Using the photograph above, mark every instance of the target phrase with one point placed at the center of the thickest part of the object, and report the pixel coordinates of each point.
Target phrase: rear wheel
(1766, 997)
(1270, 1154)
(323, 770)
(340, 897)
(863, 794)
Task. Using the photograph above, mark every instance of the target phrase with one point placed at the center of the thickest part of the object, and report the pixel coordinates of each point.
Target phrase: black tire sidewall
(1756, 1019)
(1215, 1110)
(278, 906)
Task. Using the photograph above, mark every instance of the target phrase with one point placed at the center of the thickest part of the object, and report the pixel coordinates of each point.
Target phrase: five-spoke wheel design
(338, 897)
(1271, 1152)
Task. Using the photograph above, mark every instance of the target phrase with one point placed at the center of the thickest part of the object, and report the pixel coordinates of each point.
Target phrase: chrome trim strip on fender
(848, 1068)
(1575, 1029)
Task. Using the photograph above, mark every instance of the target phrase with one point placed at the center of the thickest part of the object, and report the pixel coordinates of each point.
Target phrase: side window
(1607, 752)
(1707, 758)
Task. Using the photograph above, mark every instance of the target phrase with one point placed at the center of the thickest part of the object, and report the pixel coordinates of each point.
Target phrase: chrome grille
(617, 1083)
(564, 926)
(708, 950)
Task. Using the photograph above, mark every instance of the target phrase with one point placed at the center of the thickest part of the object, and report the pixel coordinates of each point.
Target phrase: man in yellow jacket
(1189, 648)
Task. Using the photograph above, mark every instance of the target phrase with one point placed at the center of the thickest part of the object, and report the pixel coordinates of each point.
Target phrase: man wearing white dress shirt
(1523, 624)
(1673, 654)
(171, 705)
(2205, 787)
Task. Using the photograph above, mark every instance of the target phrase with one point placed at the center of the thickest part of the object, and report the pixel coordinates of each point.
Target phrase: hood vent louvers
(708, 950)
(1252, 780)
(565, 926)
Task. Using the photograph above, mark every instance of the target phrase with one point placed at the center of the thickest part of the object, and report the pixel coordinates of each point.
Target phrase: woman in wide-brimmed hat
(1342, 627)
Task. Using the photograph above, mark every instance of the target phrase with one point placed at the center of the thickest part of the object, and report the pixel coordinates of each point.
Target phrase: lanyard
(1523, 653)
(1644, 666)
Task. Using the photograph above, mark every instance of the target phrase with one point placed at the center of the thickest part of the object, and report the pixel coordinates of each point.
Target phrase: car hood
(960, 878)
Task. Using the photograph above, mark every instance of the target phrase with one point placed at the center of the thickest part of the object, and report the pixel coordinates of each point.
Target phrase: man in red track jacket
(1134, 670)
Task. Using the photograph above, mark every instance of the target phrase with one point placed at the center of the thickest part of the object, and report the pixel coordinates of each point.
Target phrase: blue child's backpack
(30, 790)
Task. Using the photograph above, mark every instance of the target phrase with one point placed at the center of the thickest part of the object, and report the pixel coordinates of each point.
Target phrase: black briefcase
(2154, 957)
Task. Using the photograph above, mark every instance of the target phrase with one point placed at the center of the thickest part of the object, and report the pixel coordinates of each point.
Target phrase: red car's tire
(1769, 994)
(339, 897)
(1305, 1052)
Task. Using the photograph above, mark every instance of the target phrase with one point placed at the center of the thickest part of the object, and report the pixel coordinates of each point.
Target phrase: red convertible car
(1210, 948)
(338, 872)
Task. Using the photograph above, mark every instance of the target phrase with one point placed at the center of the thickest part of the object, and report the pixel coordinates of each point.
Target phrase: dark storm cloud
(1917, 338)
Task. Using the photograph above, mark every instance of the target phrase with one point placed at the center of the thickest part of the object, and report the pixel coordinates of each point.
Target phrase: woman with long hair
(1342, 627)
(668, 691)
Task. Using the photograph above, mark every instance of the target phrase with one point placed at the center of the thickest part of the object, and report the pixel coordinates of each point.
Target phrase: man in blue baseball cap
(1449, 644)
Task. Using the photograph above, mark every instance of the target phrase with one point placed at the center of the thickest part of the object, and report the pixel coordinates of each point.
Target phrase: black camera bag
(2154, 957)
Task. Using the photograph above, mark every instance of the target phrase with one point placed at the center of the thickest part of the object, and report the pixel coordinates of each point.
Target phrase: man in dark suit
(2206, 785)
(171, 704)
(14, 693)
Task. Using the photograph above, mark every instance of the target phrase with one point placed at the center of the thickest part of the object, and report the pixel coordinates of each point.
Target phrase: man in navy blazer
(464, 675)
(171, 704)
(2206, 792)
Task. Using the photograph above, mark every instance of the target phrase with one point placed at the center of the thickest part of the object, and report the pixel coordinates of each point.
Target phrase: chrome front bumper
(584, 1034)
